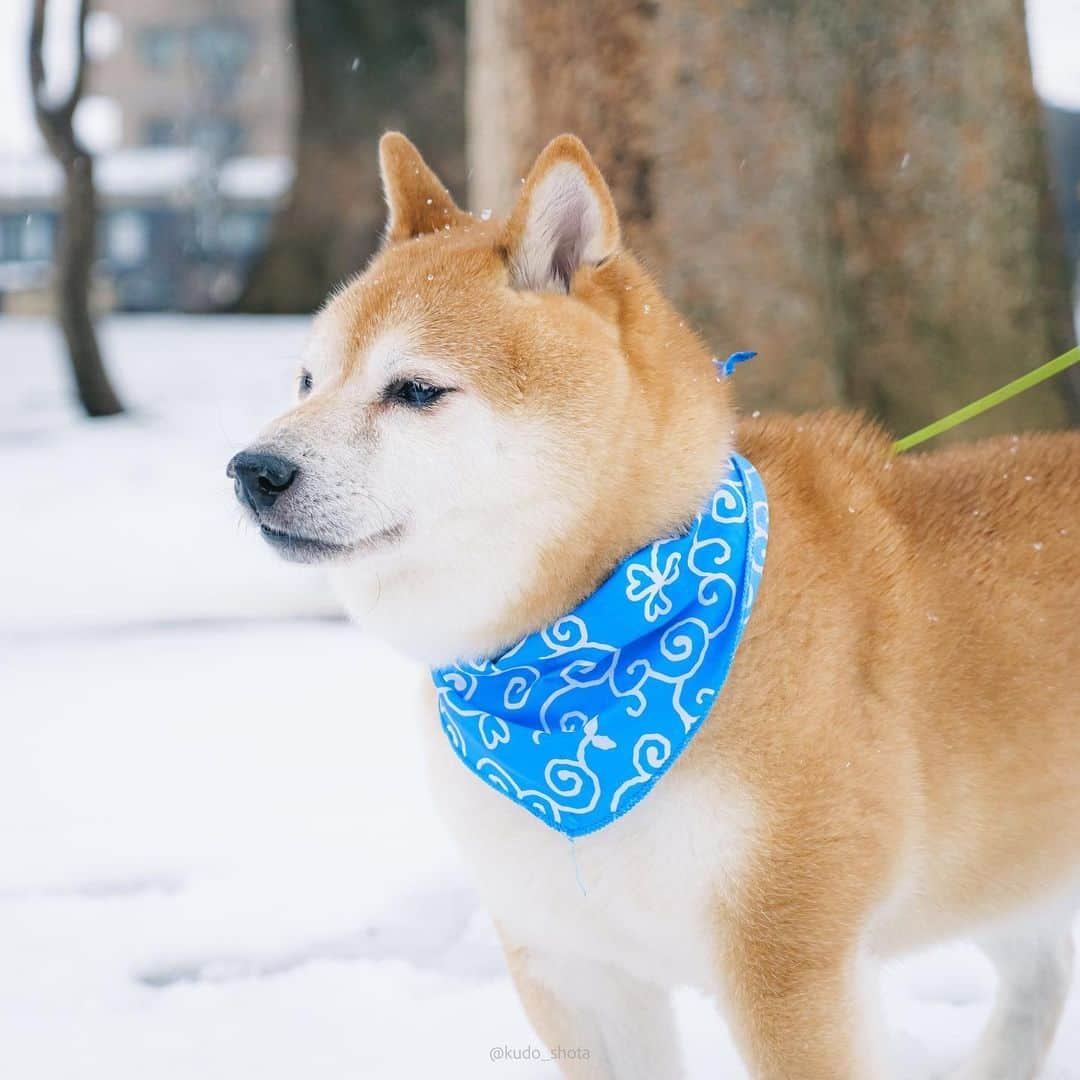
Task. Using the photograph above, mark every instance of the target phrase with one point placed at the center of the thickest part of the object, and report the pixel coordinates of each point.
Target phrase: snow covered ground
(207, 867)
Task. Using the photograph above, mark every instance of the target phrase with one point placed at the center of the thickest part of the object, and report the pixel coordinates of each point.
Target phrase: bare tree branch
(57, 117)
(37, 64)
(78, 82)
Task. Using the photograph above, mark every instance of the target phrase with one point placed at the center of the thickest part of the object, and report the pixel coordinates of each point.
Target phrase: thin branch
(79, 80)
(37, 63)
(56, 120)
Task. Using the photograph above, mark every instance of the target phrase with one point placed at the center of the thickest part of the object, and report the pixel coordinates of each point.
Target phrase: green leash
(996, 397)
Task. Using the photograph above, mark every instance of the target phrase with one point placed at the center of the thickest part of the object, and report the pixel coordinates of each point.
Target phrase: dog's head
(490, 416)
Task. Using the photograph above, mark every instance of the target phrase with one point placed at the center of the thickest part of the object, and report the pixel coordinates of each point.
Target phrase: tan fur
(902, 720)
(918, 732)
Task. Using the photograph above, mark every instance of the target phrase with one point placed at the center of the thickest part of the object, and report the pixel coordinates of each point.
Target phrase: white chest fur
(641, 894)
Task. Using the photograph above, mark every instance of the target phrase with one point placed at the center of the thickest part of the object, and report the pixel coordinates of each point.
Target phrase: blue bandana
(578, 721)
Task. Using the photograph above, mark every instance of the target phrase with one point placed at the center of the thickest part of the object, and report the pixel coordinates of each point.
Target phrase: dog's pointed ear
(417, 200)
(564, 219)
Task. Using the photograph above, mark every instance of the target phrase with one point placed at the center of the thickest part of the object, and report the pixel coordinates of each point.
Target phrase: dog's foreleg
(800, 1020)
(799, 988)
(598, 1023)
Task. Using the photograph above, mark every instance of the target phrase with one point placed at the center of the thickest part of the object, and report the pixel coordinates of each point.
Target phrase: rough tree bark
(75, 246)
(854, 188)
(365, 66)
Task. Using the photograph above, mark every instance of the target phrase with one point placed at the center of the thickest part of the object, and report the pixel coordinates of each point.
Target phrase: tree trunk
(75, 258)
(858, 190)
(75, 247)
(365, 66)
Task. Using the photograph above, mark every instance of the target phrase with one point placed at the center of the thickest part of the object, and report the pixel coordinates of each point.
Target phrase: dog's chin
(305, 549)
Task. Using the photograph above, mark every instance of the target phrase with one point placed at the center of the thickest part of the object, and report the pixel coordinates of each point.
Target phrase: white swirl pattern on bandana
(578, 721)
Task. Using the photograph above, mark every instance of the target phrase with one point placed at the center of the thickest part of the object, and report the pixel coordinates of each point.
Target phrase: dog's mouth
(307, 549)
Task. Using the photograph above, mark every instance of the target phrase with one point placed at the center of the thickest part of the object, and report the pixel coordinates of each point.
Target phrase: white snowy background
(218, 857)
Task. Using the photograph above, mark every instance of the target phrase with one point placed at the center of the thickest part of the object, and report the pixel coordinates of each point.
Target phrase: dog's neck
(441, 606)
(452, 601)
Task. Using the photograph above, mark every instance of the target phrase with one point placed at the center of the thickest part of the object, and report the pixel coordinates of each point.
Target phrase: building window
(37, 237)
(219, 136)
(127, 238)
(10, 232)
(159, 131)
(242, 232)
(161, 47)
(26, 237)
(222, 47)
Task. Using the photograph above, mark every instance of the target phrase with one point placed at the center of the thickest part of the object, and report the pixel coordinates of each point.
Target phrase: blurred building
(205, 73)
(196, 104)
(176, 230)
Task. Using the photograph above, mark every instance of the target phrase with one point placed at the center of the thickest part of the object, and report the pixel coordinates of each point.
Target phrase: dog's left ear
(564, 219)
(416, 198)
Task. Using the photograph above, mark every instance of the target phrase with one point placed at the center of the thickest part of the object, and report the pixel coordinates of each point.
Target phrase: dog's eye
(414, 393)
(305, 383)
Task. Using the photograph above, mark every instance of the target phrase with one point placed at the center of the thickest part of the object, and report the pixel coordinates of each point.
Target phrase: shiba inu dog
(492, 416)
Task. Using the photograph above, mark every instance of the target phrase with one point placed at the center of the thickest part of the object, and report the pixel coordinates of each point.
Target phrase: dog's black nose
(260, 478)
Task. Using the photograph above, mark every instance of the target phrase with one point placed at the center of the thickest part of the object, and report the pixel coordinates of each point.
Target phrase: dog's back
(996, 528)
(949, 589)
